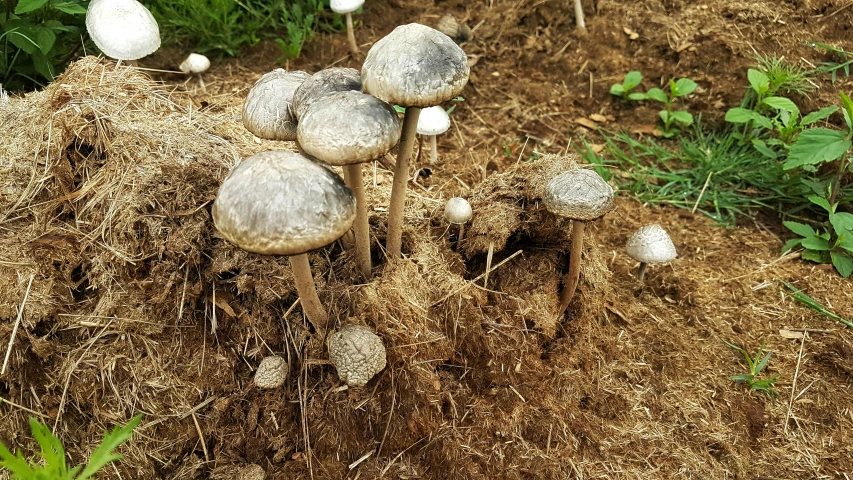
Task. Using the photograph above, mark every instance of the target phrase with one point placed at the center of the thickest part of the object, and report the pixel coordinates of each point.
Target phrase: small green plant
(832, 245)
(623, 90)
(844, 60)
(756, 364)
(677, 88)
(53, 455)
(299, 22)
(784, 76)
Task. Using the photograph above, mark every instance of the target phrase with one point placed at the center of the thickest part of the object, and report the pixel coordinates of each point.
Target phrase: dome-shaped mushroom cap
(272, 372)
(457, 210)
(579, 194)
(322, 83)
(415, 66)
(345, 6)
(343, 128)
(357, 353)
(268, 112)
(433, 121)
(122, 29)
(195, 63)
(651, 244)
(281, 203)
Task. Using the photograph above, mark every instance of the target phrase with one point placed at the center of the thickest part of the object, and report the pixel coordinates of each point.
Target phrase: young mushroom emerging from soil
(581, 195)
(415, 67)
(347, 129)
(268, 111)
(458, 212)
(281, 203)
(581, 24)
(650, 244)
(122, 29)
(357, 353)
(432, 122)
(271, 373)
(346, 7)
(196, 64)
(322, 83)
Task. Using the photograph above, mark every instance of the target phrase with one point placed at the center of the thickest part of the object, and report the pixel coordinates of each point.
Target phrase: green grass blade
(808, 301)
(104, 453)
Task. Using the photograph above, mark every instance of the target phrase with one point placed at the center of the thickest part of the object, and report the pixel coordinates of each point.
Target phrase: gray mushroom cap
(415, 66)
(281, 203)
(579, 194)
(122, 29)
(651, 244)
(268, 112)
(271, 373)
(357, 353)
(322, 83)
(457, 211)
(344, 128)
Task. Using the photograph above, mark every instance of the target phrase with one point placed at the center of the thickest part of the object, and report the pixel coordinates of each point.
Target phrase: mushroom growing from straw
(346, 7)
(271, 373)
(458, 212)
(357, 353)
(122, 29)
(650, 244)
(195, 64)
(432, 122)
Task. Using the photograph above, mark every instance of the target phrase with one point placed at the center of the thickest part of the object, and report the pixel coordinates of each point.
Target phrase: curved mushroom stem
(570, 281)
(434, 149)
(460, 236)
(308, 292)
(581, 24)
(201, 83)
(394, 241)
(353, 179)
(642, 272)
(353, 47)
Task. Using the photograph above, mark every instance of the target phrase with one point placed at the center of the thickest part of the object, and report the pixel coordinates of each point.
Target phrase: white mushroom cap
(651, 244)
(457, 211)
(195, 63)
(267, 112)
(345, 6)
(281, 203)
(252, 471)
(433, 121)
(322, 83)
(122, 29)
(357, 353)
(272, 372)
(579, 194)
(350, 127)
(415, 66)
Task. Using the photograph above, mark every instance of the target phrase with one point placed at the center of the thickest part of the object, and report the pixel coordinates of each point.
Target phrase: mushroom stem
(201, 83)
(642, 272)
(460, 236)
(353, 179)
(394, 240)
(581, 24)
(351, 35)
(570, 281)
(132, 63)
(434, 149)
(308, 292)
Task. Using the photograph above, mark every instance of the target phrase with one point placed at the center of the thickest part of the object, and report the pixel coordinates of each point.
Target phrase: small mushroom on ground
(357, 353)
(252, 471)
(271, 373)
(458, 212)
(322, 83)
(196, 64)
(281, 203)
(346, 7)
(458, 31)
(268, 111)
(122, 29)
(650, 244)
(581, 195)
(432, 122)
(414, 66)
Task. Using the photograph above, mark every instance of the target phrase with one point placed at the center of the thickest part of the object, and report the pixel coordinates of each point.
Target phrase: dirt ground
(138, 306)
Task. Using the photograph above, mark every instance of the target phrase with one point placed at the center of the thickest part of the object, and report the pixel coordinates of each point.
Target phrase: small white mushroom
(122, 29)
(271, 373)
(448, 25)
(251, 471)
(346, 7)
(196, 64)
(432, 122)
(357, 353)
(458, 212)
(650, 244)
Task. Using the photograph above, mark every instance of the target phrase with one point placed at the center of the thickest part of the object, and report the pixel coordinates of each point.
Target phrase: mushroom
(196, 64)
(322, 83)
(433, 121)
(581, 195)
(281, 203)
(268, 110)
(347, 129)
(252, 471)
(650, 244)
(357, 353)
(414, 66)
(4, 97)
(346, 7)
(271, 373)
(122, 29)
(458, 212)
(581, 24)
(448, 25)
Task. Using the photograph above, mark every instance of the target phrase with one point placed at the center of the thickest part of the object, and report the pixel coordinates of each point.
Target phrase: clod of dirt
(251, 472)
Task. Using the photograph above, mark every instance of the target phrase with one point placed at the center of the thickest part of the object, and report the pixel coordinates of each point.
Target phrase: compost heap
(136, 305)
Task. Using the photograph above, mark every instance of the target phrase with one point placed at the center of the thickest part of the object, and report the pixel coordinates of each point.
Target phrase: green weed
(756, 364)
(623, 90)
(808, 301)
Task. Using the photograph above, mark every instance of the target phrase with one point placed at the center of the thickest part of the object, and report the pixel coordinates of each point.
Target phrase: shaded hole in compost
(80, 287)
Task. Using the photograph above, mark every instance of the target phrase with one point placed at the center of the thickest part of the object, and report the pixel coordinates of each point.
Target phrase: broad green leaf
(758, 81)
(684, 86)
(617, 89)
(637, 96)
(815, 146)
(682, 117)
(21, 34)
(43, 66)
(763, 148)
(845, 242)
(744, 115)
(820, 202)
(633, 79)
(848, 109)
(25, 6)
(816, 243)
(70, 8)
(813, 256)
(656, 94)
(794, 242)
(781, 103)
(104, 453)
(818, 115)
(664, 115)
(842, 262)
(842, 222)
(800, 229)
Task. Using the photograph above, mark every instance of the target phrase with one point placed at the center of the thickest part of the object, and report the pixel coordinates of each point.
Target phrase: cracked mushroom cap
(433, 121)
(357, 353)
(457, 211)
(122, 29)
(322, 83)
(350, 127)
(415, 66)
(651, 244)
(345, 6)
(268, 111)
(195, 63)
(579, 194)
(272, 372)
(281, 203)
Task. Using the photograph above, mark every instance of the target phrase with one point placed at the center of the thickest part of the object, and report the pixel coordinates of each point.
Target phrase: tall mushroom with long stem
(580, 195)
(122, 29)
(281, 203)
(346, 7)
(347, 129)
(268, 111)
(650, 244)
(414, 66)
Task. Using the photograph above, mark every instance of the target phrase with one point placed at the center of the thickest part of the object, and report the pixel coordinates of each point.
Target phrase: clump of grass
(756, 364)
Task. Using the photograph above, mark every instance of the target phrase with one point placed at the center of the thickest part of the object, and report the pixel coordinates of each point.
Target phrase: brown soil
(137, 306)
